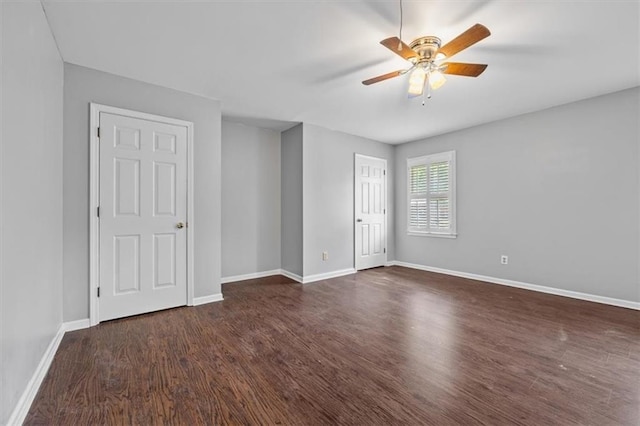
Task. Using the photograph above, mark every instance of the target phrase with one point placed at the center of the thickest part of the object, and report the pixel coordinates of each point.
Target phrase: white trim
(197, 301)
(94, 191)
(430, 234)
(236, 278)
(94, 226)
(190, 215)
(431, 158)
(327, 275)
(369, 157)
(386, 206)
(303, 280)
(26, 399)
(291, 275)
(76, 325)
(527, 286)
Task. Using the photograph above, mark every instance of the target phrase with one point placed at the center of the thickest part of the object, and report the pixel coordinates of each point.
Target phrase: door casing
(94, 197)
(355, 212)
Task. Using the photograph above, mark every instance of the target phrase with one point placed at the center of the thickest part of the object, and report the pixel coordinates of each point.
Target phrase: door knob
(180, 225)
(358, 220)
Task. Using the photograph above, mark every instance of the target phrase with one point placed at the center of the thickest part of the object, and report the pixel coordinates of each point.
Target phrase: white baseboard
(327, 275)
(304, 280)
(76, 325)
(24, 403)
(291, 275)
(527, 286)
(207, 299)
(234, 278)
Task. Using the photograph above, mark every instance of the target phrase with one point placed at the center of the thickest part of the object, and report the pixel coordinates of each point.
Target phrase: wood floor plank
(384, 346)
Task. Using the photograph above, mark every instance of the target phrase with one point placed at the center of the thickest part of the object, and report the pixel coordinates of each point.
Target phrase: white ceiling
(294, 61)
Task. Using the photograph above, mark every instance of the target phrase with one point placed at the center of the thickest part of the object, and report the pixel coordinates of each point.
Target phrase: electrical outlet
(325, 255)
(504, 259)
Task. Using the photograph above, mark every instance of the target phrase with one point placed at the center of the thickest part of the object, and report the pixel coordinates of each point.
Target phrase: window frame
(426, 160)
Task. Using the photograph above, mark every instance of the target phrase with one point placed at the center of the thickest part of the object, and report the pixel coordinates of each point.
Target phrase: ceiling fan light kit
(425, 55)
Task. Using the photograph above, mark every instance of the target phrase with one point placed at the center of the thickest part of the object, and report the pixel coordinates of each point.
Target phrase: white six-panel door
(370, 212)
(142, 216)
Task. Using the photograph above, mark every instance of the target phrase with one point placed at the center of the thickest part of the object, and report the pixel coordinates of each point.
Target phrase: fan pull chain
(426, 92)
(400, 35)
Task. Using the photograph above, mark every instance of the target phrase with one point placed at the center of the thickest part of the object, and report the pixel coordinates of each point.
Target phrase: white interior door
(142, 216)
(370, 212)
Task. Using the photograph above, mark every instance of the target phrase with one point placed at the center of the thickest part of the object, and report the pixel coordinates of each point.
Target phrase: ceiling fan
(426, 54)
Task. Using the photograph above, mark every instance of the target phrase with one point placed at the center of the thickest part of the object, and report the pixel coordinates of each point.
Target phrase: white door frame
(94, 197)
(355, 213)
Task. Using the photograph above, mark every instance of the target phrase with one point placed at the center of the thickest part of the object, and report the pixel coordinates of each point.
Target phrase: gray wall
(31, 197)
(84, 85)
(291, 200)
(328, 158)
(555, 190)
(250, 199)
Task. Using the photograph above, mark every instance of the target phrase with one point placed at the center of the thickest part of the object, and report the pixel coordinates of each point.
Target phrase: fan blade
(383, 77)
(391, 43)
(464, 40)
(467, 70)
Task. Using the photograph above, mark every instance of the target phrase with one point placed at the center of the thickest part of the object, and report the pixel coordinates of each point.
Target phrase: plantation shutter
(438, 195)
(418, 197)
(431, 194)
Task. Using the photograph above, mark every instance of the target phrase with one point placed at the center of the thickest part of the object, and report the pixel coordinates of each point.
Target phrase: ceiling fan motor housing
(426, 47)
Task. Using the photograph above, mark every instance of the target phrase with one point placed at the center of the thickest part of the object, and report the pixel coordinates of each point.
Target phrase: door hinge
(384, 172)
(98, 132)
(385, 250)
(384, 211)
(98, 211)
(98, 291)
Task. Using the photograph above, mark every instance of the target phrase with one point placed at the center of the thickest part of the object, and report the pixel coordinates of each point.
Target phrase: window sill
(430, 234)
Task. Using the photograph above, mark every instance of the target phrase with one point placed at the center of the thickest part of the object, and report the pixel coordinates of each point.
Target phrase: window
(432, 195)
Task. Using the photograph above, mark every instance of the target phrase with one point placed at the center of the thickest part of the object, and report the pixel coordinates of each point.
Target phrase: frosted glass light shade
(436, 79)
(416, 82)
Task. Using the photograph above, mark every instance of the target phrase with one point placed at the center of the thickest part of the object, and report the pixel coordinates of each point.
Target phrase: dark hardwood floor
(384, 346)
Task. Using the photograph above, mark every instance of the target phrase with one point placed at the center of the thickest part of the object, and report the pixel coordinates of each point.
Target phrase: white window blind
(431, 184)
